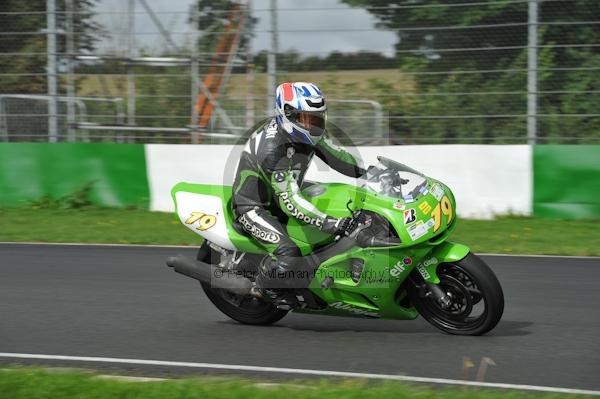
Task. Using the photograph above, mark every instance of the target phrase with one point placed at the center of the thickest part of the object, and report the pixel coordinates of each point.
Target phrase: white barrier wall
(487, 180)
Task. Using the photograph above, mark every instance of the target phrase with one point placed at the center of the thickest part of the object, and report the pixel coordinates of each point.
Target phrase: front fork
(439, 295)
(425, 277)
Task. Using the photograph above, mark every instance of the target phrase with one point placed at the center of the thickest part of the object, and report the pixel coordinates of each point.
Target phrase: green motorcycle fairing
(423, 225)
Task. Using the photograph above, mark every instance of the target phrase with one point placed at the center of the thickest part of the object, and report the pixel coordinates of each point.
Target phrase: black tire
(474, 288)
(246, 310)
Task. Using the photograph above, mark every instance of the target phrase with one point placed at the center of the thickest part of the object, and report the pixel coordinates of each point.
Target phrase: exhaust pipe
(210, 274)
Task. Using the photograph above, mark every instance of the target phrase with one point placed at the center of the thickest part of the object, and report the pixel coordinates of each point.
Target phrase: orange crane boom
(223, 56)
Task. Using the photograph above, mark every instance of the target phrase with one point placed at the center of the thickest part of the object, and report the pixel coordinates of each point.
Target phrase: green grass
(96, 225)
(530, 236)
(32, 383)
(93, 225)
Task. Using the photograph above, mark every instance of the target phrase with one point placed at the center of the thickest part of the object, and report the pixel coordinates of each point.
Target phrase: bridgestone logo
(263, 235)
(295, 212)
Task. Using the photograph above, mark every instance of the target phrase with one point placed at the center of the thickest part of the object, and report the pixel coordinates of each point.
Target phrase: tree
(292, 61)
(23, 44)
(212, 21)
(431, 34)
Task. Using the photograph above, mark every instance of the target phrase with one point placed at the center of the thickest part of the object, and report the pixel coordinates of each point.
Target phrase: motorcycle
(394, 262)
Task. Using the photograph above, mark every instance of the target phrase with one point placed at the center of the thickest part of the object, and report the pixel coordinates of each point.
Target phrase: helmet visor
(314, 122)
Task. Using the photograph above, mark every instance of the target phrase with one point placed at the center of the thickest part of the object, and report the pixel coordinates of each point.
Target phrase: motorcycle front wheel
(476, 298)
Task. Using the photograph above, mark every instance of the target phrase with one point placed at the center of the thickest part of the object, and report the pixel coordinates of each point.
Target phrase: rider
(266, 190)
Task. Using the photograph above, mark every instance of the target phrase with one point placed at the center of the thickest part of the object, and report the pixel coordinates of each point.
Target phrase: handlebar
(360, 221)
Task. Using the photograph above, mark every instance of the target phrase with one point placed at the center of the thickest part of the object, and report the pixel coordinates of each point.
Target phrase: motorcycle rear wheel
(477, 298)
(246, 309)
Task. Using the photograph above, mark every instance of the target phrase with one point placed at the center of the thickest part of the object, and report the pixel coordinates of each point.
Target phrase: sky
(173, 15)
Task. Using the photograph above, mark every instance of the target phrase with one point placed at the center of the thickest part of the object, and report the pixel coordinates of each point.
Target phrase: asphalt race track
(123, 302)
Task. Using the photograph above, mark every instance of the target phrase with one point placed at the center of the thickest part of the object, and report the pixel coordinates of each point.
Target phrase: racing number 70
(445, 207)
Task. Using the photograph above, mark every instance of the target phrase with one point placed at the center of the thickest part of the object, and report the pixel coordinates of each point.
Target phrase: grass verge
(32, 383)
(121, 226)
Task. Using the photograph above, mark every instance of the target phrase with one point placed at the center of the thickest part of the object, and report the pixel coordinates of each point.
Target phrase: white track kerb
(283, 370)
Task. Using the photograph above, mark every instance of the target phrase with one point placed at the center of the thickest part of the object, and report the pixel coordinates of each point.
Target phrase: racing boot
(274, 281)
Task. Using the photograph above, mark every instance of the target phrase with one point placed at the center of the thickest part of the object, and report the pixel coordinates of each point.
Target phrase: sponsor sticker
(410, 215)
(430, 261)
(397, 270)
(295, 212)
(437, 191)
(399, 205)
(399, 267)
(256, 231)
(417, 230)
(423, 271)
(425, 207)
(271, 130)
(376, 280)
(430, 223)
(421, 267)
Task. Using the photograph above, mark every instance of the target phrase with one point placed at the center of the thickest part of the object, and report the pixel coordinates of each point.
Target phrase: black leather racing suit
(266, 190)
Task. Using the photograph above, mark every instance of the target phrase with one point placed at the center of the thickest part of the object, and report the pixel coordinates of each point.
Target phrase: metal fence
(506, 71)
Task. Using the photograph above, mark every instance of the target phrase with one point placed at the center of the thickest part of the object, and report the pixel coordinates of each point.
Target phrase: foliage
(25, 52)
(214, 16)
(77, 200)
(455, 95)
(491, 83)
(293, 61)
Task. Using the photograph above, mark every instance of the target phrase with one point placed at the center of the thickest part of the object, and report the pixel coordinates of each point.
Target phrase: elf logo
(399, 267)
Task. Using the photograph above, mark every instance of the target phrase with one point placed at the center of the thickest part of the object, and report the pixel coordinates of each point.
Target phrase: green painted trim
(30, 171)
(566, 181)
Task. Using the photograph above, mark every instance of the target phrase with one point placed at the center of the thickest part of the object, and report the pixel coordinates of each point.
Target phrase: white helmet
(301, 111)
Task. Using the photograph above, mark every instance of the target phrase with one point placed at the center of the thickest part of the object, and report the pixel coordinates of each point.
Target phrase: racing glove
(336, 226)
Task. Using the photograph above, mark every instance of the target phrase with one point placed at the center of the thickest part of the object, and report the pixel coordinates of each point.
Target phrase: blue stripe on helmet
(279, 100)
(306, 92)
(316, 88)
(298, 94)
